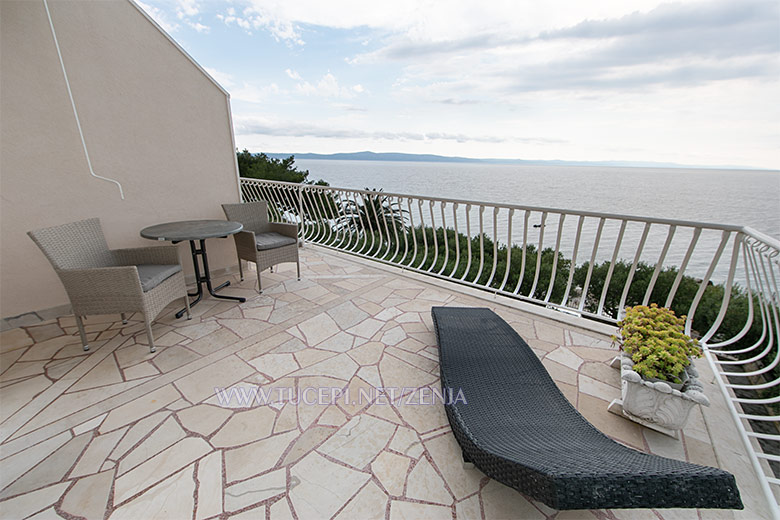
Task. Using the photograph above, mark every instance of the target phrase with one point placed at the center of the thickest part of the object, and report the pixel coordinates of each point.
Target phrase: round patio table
(197, 230)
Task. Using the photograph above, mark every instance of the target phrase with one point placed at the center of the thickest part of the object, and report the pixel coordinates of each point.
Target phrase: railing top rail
(616, 216)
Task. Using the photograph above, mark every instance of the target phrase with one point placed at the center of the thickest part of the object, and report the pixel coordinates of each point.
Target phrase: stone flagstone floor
(120, 433)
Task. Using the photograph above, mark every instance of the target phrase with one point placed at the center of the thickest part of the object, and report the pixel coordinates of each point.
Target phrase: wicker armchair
(103, 281)
(262, 242)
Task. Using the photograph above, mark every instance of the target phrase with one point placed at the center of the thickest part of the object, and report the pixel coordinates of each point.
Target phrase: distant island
(411, 157)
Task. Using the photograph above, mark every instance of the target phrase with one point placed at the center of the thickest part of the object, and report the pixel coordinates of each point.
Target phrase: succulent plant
(654, 339)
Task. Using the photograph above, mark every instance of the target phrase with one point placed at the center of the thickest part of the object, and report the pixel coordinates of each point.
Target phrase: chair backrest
(253, 215)
(76, 245)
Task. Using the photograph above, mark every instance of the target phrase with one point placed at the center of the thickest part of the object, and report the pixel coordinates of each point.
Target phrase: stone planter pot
(655, 404)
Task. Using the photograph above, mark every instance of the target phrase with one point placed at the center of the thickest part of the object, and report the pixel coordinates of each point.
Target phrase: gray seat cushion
(152, 275)
(272, 240)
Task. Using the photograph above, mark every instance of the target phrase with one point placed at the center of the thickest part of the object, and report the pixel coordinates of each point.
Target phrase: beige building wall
(152, 119)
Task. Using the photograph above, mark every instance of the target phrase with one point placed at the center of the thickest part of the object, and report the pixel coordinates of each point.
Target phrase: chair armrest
(290, 230)
(245, 239)
(161, 255)
(107, 283)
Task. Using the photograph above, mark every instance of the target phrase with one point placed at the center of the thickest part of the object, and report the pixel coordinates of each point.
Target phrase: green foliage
(653, 337)
(260, 166)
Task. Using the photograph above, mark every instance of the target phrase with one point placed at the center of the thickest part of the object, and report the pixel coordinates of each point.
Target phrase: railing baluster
(618, 242)
(481, 244)
(457, 239)
(414, 234)
(683, 266)
(508, 250)
(639, 248)
(406, 238)
(424, 234)
(446, 245)
(522, 257)
(659, 265)
(495, 247)
(435, 238)
(586, 285)
(573, 264)
(539, 250)
(561, 218)
(704, 281)
(468, 242)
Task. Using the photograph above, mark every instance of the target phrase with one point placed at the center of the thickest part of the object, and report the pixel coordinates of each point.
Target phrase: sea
(737, 197)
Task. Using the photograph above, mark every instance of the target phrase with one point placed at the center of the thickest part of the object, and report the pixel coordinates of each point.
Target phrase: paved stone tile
(369, 504)
(14, 339)
(275, 365)
(165, 436)
(252, 491)
(51, 469)
(169, 499)
(339, 367)
(97, 453)
(391, 470)
(140, 370)
(468, 508)
(245, 427)
(425, 484)
(318, 329)
(500, 502)
(616, 427)
(367, 328)
(203, 418)
(200, 385)
(27, 504)
(213, 342)
(400, 374)
(444, 450)
(596, 388)
(347, 315)
(565, 357)
(359, 441)
(140, 407)
(160, 467)
(88, 497)
(368, 353)
(105, 373)
(257, 457)
(414, 511)
(315, 473)
(209, 486)
(137, 432)
(17, 395)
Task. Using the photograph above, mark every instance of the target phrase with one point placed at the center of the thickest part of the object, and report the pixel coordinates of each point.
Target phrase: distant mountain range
(411, 157)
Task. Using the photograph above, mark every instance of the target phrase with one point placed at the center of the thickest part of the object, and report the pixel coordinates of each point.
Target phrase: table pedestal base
(205, 278)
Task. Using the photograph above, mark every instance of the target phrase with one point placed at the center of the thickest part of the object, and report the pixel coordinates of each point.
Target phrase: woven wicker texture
(254, 217)
(518, 428)
(103, 281)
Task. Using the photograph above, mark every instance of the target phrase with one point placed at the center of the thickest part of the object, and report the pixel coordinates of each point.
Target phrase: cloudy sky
(692, 82)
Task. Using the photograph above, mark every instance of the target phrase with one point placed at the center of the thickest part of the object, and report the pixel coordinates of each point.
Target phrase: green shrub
(653, 336)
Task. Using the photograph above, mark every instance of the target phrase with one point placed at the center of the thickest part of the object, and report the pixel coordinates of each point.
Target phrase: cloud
(328, 87)
(292, 74)
(199, 27)
(672, 44)
(187, 8)
(159, 16)
(256, 126)
(257, 18)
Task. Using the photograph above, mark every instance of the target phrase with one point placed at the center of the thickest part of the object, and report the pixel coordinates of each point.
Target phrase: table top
(191, 230)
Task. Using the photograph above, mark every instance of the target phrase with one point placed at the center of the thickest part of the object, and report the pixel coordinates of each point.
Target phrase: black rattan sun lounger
(519, 429)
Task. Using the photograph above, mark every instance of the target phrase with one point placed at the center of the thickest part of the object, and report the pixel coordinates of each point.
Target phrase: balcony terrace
(119, 433)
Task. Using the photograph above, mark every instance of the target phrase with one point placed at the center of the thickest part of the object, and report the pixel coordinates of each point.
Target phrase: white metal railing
(723, 278)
